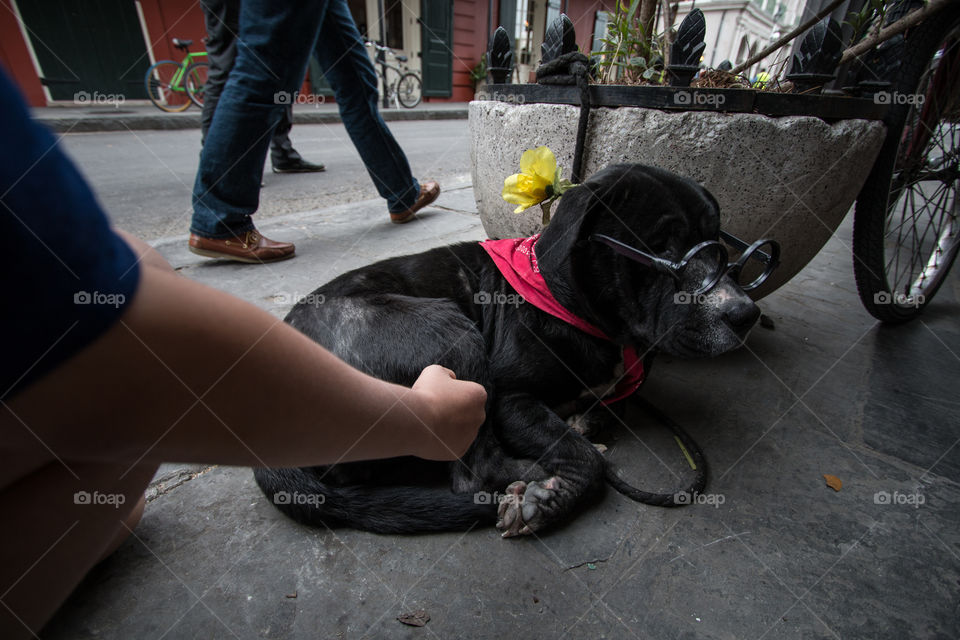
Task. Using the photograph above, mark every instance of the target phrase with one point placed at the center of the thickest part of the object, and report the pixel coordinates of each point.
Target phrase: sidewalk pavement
(770, 551)
(138, 115)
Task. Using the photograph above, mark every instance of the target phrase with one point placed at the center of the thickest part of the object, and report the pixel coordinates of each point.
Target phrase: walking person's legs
(283, 156)
(272, 50)
(347, 67)
(221, 18)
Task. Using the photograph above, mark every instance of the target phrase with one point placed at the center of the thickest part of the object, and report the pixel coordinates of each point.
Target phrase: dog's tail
(681, 497)
(301, 495)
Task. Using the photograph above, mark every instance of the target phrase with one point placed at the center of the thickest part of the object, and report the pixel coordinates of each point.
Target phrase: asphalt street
(144, 178)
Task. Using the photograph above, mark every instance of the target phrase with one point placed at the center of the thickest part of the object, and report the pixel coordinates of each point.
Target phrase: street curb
(171, 121)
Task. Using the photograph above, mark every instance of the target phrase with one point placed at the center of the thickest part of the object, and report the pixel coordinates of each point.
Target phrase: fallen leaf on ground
(416, 619)
(833, 482)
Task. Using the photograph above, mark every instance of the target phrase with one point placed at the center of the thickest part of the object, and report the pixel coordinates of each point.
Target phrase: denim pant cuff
(405, 200)
(220, 231)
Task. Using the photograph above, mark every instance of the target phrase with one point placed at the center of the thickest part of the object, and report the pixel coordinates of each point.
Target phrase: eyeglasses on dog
(751, 269)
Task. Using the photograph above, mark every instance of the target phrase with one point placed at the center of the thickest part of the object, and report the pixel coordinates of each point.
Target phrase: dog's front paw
(526, 507)
(579, 423)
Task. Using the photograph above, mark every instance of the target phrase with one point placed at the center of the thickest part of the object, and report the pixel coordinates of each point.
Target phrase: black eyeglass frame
(676, 269)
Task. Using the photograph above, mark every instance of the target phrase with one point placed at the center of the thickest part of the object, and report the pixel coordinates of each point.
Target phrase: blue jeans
(274, 44)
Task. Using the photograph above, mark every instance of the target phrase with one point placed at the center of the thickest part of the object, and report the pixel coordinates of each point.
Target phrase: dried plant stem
(897, 27)
(787, 38)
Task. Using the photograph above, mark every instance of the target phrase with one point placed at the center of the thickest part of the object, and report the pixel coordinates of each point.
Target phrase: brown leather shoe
(429, 191)
(249, 246)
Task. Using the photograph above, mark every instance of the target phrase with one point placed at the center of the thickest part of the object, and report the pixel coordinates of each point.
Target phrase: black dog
(453, 306)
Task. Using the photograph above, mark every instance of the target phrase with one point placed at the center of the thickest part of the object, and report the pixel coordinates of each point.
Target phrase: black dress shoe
(298, 165)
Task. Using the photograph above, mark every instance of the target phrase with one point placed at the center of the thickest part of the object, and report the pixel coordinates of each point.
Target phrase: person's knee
(62, 518)
(147, 255)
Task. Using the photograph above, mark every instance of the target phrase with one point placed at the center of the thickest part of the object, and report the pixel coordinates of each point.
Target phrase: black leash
(680, 498)
(571, 68)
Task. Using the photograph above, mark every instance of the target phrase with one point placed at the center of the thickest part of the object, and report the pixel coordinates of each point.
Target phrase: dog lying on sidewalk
(549, 325)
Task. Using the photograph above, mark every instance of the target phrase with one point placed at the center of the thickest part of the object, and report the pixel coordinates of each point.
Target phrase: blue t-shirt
(65, 277)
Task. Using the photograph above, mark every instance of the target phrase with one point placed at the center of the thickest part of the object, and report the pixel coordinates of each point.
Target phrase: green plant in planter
(872, 13)
(630, 55)
(479, 72)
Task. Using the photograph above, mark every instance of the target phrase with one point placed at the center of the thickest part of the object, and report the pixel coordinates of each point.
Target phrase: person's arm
(190, 373)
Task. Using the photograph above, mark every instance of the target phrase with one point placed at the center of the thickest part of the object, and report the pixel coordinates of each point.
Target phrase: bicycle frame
(176, 84)
(389, 89)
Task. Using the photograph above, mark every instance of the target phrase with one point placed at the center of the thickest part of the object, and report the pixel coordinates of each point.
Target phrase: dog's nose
(741, 316)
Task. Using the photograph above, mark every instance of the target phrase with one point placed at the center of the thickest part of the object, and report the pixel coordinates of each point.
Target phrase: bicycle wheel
(906, 232)
(195, 77)
(159, 84)
(409, 90)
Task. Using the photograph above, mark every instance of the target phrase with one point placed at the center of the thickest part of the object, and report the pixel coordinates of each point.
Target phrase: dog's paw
(588, 424)
(579, 423)
(527, 506)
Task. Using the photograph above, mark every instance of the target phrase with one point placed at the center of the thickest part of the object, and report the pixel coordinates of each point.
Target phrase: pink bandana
(517, 262)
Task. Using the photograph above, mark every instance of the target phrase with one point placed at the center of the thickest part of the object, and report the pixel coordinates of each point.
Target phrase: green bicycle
(174, 86)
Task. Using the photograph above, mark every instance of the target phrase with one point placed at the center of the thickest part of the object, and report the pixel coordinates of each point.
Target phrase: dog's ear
(563, 246)
(615, 190)
(558, 240)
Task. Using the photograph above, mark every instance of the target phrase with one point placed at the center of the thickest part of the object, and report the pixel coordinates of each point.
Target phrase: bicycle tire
(409, 90)
(158, 85)
(890, 189)
(195, 79)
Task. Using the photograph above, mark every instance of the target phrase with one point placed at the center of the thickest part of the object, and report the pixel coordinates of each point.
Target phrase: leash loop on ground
(681, 497)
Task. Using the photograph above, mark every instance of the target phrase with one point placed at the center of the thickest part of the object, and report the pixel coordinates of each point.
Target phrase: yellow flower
(538, 180)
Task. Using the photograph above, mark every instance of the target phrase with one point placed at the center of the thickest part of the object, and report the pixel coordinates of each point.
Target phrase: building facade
(55, 49)
(737, 29)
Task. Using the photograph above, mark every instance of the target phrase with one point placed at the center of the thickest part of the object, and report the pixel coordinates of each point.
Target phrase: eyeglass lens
(753, 269)
(705, 268)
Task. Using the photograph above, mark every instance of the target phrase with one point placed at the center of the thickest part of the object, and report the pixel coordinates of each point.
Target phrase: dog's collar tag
(516, 259)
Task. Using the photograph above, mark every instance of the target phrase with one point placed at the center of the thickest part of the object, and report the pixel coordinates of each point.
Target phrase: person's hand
(452, 409)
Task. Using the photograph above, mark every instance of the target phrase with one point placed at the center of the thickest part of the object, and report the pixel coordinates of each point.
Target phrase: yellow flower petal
(539, 179)
(523, 190)
(539, 162)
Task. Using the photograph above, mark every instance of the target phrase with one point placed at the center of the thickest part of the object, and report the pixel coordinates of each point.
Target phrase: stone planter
(791, 178)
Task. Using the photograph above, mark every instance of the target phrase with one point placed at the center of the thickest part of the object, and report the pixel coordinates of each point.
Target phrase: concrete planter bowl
(788, 177)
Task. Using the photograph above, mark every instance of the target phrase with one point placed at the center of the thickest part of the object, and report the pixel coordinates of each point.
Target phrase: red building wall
(470, 35)
(582, 13)
(469, 44)
(15, 56)
(167, 19)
